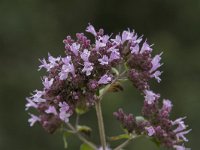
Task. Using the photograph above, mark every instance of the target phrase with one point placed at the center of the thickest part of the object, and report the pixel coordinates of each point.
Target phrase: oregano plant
(77, 82)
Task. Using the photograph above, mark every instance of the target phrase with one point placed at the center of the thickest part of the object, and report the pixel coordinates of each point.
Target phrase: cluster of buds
(74, 81)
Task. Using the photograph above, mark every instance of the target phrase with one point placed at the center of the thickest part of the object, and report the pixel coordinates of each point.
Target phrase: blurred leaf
(156, 141)
(84, 129)
(85, 147)
(119, 137)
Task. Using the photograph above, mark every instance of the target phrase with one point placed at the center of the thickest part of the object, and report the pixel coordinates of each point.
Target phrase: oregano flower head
(75, 81)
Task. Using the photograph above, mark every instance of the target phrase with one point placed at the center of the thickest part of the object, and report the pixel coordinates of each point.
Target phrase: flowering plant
(78, 81)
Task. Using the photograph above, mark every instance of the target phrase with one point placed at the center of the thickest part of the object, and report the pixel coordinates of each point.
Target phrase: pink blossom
(105, 79)
(91, 30)
(33, 119)
(104, 60)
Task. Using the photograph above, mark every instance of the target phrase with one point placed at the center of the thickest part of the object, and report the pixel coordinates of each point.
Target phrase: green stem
(101, 124)
(81, 137)
(125, 143)
(99, 113)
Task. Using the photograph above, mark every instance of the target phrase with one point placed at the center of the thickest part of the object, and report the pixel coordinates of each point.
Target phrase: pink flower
(156, 62)
(145, 47)
(51, 110)
(135, 49)
(150, 130)
(167, 105)
(75, 48)
(64, 112)
(47, 83)
(37, 97)
(88, 67)
(105, 79)
(114, 54)
(33, 119)
(104, 60)
(30, 104)
(85, 55)
(150, 97)
(91, 30)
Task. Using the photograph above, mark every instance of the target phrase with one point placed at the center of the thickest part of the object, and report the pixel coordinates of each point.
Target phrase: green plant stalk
(125, 143)
(99, 113)
(81, 137)
(101, 124)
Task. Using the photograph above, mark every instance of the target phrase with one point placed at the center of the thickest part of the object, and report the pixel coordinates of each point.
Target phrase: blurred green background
(29, 29)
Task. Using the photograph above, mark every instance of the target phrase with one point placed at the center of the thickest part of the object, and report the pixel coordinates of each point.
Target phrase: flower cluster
(74, 81)
(156, 124)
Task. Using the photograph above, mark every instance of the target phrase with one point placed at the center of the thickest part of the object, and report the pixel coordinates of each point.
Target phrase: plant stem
(99, 113)
(81, 137)
(123, 144)
(101, 124)
(77, 121)
(126, 142)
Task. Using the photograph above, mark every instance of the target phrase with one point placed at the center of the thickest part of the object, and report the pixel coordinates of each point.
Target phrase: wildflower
(51, 110)
(182, 135)
(127, 35)
(105, 79)
(37, 97)
(99, 44)
(85, 55)
(75, 48)
(135, 49)
(64, 112)
(30, 104)
(150, 97)
(145, 47)
(75, 79)
(33, 119)
(91, 30)
(66, 69)
(181, 147)
(47, 83)
(115, 54)
(88, 67)
(150, 130)
(104, 60)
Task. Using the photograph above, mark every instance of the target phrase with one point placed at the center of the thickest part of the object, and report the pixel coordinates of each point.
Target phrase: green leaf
(119, 137)
(156, 141)
(86, 147)
(84, 129)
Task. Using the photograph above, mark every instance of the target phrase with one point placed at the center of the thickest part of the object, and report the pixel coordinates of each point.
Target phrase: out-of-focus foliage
(31, 28)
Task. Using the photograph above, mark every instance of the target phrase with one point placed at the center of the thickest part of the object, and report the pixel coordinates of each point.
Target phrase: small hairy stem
(81, 137)
(125, 143)
(77, 121)
(101, 124)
